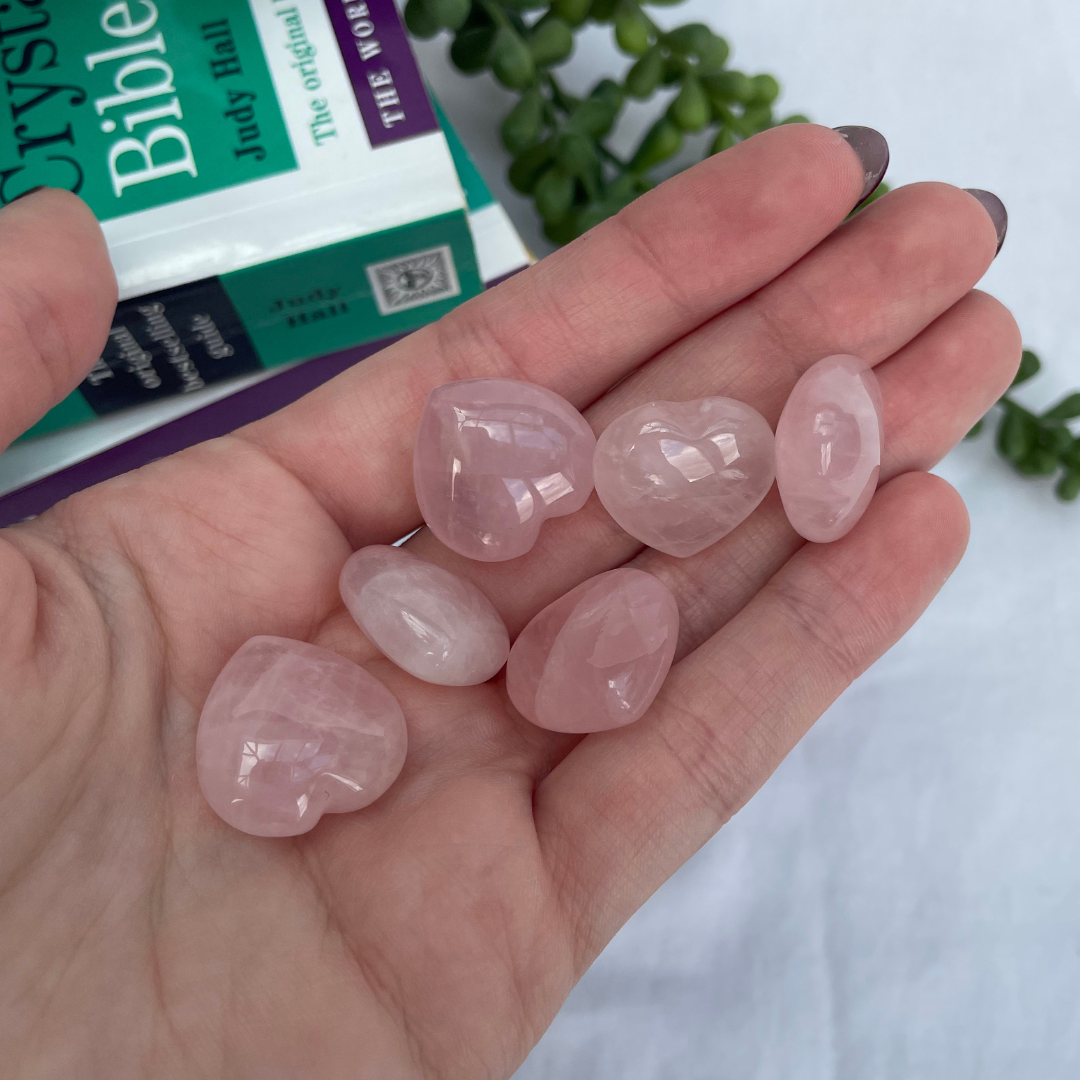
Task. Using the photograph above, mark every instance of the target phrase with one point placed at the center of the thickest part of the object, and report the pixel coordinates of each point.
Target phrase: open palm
(435, 933)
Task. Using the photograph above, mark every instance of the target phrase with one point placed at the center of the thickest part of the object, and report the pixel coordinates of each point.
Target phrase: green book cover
(270, 176)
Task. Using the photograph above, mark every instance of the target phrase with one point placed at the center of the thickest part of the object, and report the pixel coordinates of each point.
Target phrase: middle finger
(868, 289)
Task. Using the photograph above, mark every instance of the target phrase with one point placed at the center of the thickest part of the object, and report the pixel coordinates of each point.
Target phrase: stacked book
(281, 199)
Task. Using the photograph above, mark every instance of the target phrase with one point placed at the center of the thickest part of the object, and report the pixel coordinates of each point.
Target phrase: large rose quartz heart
(430, 622)
(597, 657)
(829, 442)
(291, 732)
(679, 475)
(494, 459)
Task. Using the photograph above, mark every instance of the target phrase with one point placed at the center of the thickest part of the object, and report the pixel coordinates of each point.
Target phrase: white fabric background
(902, 899)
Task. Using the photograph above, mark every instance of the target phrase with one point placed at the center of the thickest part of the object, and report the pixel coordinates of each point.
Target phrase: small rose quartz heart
(679, 475)
(597, 657)
(494, 459)
(290, 732)
(829, 442)
(431, 623)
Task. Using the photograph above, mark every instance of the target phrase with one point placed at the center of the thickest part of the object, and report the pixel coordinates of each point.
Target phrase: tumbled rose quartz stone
(430, 622)
(829, 442)
(679, 475)
(291, 732)
(494, 459)
(597, 657)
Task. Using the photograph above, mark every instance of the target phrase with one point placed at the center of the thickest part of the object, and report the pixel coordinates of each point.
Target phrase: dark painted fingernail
(29, 191)
(996, 209)
(873, 152)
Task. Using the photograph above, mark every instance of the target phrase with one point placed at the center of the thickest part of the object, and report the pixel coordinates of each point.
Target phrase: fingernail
(873, 152)
(29, 191)
(996, 209)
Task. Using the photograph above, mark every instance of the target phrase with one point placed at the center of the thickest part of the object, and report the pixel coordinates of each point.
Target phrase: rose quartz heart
(291, 732)
(679, 475)
(494, 459)
(596, 657)
(430, 622)
(829, 442)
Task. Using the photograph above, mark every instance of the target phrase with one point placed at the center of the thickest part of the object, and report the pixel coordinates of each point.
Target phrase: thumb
(57, 299)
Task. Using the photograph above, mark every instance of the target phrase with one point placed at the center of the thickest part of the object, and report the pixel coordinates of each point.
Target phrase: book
(270, 175)
(36, 474)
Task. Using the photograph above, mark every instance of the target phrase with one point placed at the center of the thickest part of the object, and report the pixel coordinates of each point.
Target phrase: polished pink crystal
(291, 732)
(596, 657)
(494, 459)
(679, 475)
(829, 442)
(435, 625)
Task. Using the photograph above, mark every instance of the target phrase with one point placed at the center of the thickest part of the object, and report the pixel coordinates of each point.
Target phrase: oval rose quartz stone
(829, 442)
(291, 732)
(679, 475)
(494, 459)
(596, 657)
(430, 622)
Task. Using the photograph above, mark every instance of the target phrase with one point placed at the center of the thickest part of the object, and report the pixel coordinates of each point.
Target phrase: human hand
(436, 933)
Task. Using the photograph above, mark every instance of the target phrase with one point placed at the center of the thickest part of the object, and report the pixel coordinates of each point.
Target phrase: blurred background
(902, 899)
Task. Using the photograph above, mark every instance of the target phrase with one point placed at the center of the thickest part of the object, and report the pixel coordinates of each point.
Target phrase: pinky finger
(626, 808)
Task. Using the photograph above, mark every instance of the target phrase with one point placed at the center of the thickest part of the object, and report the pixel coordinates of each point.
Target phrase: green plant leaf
(756, 118)
(562, 232)
(765, 90)
(1066, 409)
(609, 92)
(1038, 462)
(1071, 458)
(632, 31)
(1068, 487)
(729, 86)
(573, 12)
(1054, 437)
(661, 141)
(693, 38)
(471, 48)
(690, 110)
(795, 118)
(420, 19)
(1016, 434)
(551, 41)
(524, 122)
(526, 168)
(554, 193)
(725, 140)
(593, 118)
(712, 58)
(976, 431)
(1030, 366)
(577, 154)
(449, 13)
(511, 60)
(675, 68)
(644, 77)
(603, 10)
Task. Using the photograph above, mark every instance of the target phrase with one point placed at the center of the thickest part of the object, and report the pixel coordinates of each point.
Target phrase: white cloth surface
(902, 898)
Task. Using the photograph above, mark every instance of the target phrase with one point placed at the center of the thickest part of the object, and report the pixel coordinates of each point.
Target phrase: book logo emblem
(411, 280)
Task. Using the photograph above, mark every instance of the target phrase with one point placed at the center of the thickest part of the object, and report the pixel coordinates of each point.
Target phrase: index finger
(578, 321)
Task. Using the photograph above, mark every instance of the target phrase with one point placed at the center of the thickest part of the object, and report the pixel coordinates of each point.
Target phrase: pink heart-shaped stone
(597, 657)
(829, 442)
(679, 475)
(494, 459)
(290, 732)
